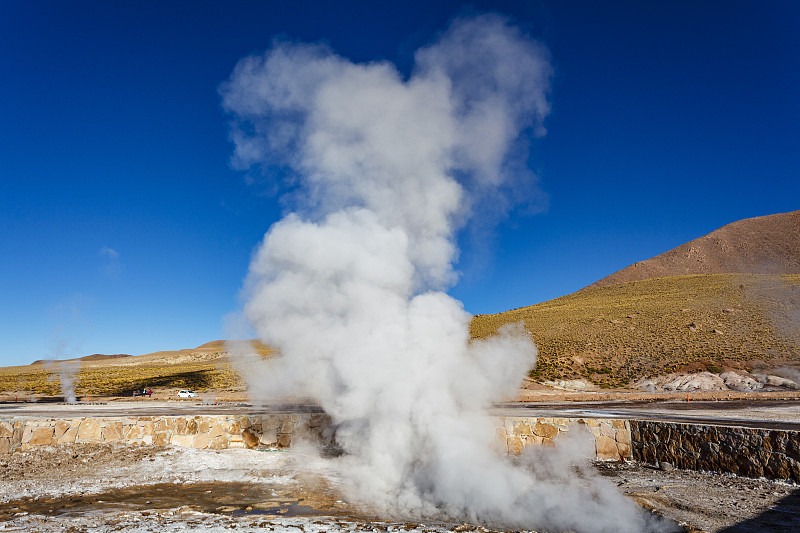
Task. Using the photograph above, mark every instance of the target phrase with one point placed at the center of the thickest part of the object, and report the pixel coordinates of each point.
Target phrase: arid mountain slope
(617, 334)
(761, 245)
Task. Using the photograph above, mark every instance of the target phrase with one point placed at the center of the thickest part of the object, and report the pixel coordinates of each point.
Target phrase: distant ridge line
(93, 357)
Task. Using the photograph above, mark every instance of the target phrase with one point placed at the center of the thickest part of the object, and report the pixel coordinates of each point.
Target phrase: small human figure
(149, 392)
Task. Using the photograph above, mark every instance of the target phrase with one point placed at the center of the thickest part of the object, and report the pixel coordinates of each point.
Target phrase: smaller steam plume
(791, 373)
(381, 173)
(780, 301)
(68, 373)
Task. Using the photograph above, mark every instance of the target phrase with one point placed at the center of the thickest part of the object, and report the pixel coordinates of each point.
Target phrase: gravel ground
(82, 488)
(706, 501)
(53, 471)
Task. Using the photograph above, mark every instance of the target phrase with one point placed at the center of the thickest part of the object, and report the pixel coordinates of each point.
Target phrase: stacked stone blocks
(203, 432)
(749, 452)
(612, 438)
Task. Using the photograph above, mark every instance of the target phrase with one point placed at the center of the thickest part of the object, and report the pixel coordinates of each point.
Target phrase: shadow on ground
(196, 379)
(783, 515)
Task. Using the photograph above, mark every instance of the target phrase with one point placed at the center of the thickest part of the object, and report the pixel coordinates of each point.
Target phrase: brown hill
(761, 245)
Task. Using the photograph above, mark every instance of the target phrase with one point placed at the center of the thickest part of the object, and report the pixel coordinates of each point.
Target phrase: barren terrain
(109, 488)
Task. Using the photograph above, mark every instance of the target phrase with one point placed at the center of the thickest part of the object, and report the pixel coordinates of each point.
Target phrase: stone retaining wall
(769, 453)
(209, 431)
(612, 438)
(749, 452)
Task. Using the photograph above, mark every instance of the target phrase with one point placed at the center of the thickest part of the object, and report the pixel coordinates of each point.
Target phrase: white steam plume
(383, 171)
(68, 374)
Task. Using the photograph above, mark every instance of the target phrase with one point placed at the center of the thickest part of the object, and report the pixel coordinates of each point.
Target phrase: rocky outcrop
(738, 380)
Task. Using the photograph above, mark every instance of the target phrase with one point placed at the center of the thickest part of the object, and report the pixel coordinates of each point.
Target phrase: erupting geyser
(380, 173)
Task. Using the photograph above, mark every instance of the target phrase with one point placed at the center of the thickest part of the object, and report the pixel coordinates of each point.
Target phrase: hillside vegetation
(205, 367)
(614, 335)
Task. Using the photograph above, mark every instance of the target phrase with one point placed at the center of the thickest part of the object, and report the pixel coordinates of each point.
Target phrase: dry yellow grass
(121, 381)
(202, 368)
(617, 334)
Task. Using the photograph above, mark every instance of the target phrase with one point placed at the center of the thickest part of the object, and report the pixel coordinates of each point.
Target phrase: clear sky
(124, 228)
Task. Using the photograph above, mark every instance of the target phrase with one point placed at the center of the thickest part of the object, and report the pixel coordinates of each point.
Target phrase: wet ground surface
(697, 501)
(232, 498)
(123, 488)
(112, 487)
(706, 501)
(202, 505)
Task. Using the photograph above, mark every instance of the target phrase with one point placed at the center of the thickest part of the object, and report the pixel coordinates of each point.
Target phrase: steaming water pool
(207, 506)
(231, 498)
(83, 488)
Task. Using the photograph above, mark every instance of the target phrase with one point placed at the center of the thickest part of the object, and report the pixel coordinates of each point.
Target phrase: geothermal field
(127, 484)
(665, 397)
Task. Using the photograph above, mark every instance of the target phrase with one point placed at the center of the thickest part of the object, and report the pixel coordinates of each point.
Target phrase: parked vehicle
(188, 394)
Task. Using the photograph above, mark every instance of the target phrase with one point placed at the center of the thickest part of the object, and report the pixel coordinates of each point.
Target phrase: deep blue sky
(123, 229)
